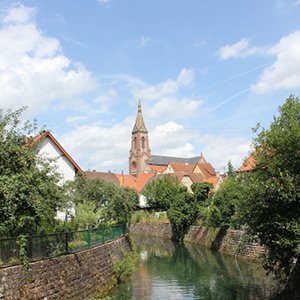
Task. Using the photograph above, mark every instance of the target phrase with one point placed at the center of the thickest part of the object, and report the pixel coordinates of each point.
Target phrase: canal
(172, 271)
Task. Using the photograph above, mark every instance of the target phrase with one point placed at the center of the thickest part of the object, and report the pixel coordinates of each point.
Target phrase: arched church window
(135, 143)
(134, 165)
(143, 142)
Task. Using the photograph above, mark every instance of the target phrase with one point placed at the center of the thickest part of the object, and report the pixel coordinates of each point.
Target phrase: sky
(206, 73)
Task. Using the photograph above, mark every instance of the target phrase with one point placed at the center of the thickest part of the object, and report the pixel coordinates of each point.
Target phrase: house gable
(47, 145)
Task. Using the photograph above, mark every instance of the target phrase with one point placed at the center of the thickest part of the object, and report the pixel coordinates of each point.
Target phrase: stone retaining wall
(75, 276)
(161, 230)
(225, 241)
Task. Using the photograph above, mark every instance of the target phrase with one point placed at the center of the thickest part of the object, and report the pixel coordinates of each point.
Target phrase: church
(141, 161)
(145, 167)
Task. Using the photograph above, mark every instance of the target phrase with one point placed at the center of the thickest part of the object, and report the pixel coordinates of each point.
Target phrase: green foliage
(182, 214)
(137, 217)
(121, 207)
(29, 192)
(105, 298)
(87, 216)
(225, 208)
(183, 208)
(99, 201)
(22, 242)
(161, 192)
(123, 268)
(230, 168)
(201, 191)
(272, 196)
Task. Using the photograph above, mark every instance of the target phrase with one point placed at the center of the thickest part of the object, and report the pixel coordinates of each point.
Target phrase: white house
(48, 146)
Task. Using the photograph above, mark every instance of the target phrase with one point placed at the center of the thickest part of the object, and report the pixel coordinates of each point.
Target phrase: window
(134, 165)
(135, 143)
(143, 142)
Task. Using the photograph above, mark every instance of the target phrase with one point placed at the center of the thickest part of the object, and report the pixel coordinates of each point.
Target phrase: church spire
(140, 152)
(139, 122)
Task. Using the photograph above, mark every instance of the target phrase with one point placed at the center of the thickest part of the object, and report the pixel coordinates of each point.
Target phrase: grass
(146, 217)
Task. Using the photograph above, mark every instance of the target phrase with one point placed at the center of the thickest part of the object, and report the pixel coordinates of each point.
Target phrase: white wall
(48, 148)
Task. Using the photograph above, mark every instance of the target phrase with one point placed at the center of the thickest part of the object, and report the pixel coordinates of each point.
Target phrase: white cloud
(75, 119)
(104, 1)
(186, 77)
(172, 108)
(284, 73)
(219, 150)
(155, 92)
(20, 14)
(106, 97)
(103, 149)
(143, 41)
(165, 100)
(165, 88)
(171, 139)
(98, 147)
(33, 70)
(239, 49)
(297, 2)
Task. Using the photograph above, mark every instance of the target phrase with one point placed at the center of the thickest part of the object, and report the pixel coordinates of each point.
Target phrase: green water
(171, 271)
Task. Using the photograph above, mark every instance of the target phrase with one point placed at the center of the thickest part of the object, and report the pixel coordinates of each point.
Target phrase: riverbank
(225, 241)
(172, 270)
(76, 276)
(231, 242)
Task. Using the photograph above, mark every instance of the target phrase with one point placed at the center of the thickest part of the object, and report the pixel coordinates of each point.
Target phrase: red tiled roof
(129, 181)
(106, 176)
(177, 167)
(158, 168)
(248, 165)
(142, 179)
(196, 177)
(213, 180)
(207, 169)
(45, 134)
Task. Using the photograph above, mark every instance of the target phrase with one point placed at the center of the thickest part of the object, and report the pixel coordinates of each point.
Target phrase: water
(171, 271)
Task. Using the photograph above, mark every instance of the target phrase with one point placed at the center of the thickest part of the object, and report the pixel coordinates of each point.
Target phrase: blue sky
(206, 73)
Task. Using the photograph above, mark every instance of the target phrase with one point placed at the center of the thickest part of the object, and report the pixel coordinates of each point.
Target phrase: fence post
(112, 233)
(29, 246)
(103, 235)
(67, 242)
(89, 238)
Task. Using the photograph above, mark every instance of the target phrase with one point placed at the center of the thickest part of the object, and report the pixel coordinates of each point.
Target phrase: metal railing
(52, 245)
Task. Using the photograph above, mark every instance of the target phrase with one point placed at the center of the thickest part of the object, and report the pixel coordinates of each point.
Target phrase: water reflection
(171, 271)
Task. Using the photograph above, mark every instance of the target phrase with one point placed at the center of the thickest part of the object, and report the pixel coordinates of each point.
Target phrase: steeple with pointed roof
(139, 122)
(140, 151)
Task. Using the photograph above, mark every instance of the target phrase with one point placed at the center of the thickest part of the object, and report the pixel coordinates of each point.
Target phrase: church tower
(140, 151)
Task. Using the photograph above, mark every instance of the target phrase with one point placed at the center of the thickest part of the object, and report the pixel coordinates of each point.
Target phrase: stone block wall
(75, 276)
(161, 230)
(225, 241)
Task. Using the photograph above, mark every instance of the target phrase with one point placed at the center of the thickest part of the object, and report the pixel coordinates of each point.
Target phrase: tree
(201, 191)
(225, 207)
(230, 168)
(182, 214)
(272, 198)
(87, 216)
(111, 202)
(160, 193)
(29, 194)
(122, 207)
